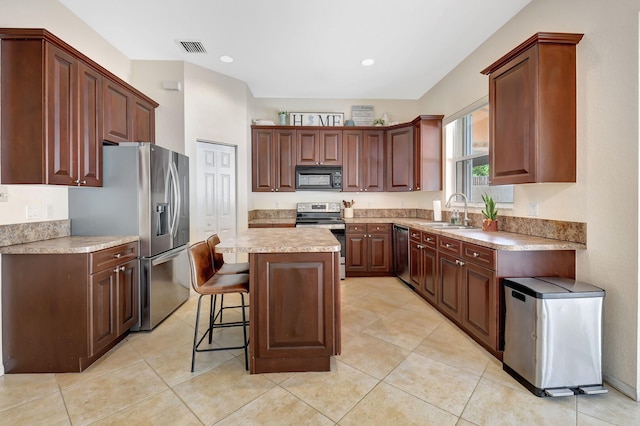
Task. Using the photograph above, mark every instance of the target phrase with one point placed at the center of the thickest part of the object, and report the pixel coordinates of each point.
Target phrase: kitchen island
(294, 297)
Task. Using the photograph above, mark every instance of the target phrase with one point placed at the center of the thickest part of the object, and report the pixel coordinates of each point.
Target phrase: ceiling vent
(192, 46)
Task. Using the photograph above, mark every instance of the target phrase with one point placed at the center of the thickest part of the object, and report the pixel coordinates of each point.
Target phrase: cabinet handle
(429, 239)
(447, 245)
(122, 268)
(476, 254)
(365, 190)
(117, 256)
(276, 189)
(459, 262)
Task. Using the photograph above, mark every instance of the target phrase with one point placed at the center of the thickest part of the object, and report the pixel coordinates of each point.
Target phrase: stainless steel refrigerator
(146, 193)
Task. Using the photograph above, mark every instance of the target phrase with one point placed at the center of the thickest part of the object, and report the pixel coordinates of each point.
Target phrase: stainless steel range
(324, 215)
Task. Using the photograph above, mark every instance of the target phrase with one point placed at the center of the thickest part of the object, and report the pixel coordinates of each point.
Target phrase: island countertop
(280, 240)
(67, 245)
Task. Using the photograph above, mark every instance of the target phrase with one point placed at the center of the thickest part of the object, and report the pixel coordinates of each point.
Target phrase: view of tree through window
(469, 136)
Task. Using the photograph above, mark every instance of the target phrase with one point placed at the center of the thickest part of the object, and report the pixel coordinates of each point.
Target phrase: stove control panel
(318, 207)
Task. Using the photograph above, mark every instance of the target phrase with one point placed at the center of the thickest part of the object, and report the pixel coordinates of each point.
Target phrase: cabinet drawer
(378, 228)
(480, 255)
(355, 228)
(430, 240)
(109, 258)
(415, 235)
(448, 245)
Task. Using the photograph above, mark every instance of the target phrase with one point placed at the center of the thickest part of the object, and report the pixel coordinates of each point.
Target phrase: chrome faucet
(466, 220)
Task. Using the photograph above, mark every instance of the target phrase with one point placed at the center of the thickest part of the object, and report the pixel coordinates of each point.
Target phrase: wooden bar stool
(206, 282)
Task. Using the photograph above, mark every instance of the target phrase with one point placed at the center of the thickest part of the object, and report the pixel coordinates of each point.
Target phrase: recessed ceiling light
(367, 62)
(226, 59)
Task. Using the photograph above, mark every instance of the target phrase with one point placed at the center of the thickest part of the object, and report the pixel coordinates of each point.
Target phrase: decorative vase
(283, 119)
(489, 225)
(348, 212)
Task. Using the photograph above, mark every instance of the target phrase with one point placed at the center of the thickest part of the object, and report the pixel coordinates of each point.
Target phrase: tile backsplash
(554, 229)
(21, 233)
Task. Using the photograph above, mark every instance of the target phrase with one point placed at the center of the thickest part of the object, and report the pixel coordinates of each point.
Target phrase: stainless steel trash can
(553, 335)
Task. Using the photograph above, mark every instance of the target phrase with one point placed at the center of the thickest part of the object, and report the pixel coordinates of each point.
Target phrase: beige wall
(606, 193)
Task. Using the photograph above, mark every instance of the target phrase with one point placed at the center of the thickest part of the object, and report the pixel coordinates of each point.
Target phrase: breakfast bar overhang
(294, 297)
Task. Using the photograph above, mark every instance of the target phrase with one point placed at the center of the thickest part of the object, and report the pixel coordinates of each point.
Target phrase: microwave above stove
(318, 178)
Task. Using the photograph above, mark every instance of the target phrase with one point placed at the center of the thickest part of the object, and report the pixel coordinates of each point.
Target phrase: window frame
(451, 184)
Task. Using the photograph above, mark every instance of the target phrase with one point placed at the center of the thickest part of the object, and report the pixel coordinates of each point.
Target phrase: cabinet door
(330, 148)
(427, 166)
(285, 160)
(144, 124)
(127, 296)
(294, 297)
(450, 286)
(308, 142)
(117, 110)
(480, 303)
(400, 159)
(102, 315)
(61, 86)
(352, 156)
(356, 254)
(512, 93)
(262, 160)
(379, 252)
(416, 268)
(90, 126)
(430, 274)
(373, 160)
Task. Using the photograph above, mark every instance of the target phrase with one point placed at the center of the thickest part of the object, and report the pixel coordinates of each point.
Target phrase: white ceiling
(306, 49)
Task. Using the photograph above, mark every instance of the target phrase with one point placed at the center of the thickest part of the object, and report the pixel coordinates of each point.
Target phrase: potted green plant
(490, 213)
(283, 117)
(378, 122)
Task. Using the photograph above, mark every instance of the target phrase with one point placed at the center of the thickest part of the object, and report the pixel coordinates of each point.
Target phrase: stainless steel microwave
(319, 178)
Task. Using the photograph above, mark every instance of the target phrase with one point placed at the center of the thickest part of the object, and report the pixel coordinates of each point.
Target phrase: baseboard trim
(624, 388)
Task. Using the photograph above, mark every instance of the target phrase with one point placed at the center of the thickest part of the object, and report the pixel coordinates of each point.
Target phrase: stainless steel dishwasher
(401, 253)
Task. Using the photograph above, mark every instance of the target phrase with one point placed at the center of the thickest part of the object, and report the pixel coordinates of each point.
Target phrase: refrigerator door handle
(166, 257)
(175, 199)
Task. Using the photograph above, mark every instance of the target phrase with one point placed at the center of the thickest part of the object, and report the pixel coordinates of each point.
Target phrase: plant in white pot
(490, 213)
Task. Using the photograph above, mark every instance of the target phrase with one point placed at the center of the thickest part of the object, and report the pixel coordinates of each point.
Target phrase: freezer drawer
(553, 334)
(164, 286)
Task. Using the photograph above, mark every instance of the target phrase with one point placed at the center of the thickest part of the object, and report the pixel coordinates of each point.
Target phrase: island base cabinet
(61, 312)
(295, 322)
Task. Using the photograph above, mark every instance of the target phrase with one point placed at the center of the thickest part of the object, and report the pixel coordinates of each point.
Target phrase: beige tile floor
(402, 364)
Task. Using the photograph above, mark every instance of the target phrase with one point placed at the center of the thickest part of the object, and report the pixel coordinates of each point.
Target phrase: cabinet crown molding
(43, 34)
(537, 38)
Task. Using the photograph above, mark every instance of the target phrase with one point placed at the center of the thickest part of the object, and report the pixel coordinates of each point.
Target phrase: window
(467, 141)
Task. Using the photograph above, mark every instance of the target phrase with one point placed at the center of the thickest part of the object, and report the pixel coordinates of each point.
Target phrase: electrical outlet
(532, 210)
(49, 211)
(277, 204)
(33, 212)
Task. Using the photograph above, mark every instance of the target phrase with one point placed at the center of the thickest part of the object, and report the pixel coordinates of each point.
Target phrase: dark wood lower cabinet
(463, 280)
(61, 312)
(368, 251)
(295, 315)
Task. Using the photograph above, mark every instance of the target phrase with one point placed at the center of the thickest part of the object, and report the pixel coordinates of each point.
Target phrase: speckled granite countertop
(66, 245)
(291, 221)
(281, 240)
(496, 240)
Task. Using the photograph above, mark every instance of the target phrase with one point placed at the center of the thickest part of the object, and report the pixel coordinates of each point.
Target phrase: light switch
(4, 194)
(533, 209)
(33, 212)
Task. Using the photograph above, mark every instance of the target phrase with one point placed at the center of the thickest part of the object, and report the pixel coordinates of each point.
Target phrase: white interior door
(216, 190)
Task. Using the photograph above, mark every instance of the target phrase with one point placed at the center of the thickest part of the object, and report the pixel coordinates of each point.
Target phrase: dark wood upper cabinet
(273, 159)
(427, 153)
(532, 111)
(399, 156)
(55, 104)
(319, 147)
(363, 160)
